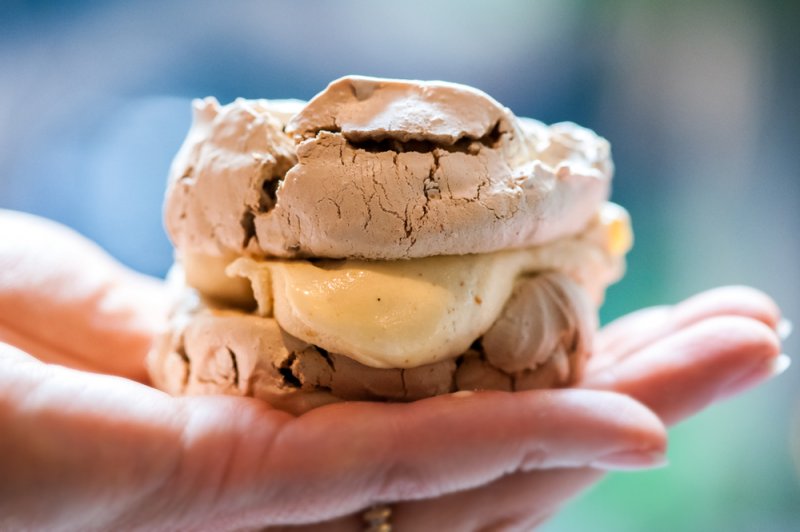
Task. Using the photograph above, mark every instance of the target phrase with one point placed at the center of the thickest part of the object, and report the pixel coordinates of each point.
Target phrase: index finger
(343, 457)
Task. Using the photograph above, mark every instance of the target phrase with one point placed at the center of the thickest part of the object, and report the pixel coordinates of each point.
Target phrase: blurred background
(701, 101)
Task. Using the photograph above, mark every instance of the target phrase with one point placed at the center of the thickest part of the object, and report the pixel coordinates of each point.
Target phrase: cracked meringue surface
(380, 170)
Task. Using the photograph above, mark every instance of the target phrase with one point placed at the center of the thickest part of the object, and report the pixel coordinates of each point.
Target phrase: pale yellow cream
(403, 314)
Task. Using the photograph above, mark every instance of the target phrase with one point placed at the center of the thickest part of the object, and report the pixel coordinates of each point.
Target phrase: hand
(676, 360)
(82, 449)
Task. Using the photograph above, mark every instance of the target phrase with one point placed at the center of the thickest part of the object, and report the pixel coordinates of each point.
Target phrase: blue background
(699, 99)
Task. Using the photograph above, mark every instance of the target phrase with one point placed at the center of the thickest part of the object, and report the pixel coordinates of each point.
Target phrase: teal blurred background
(701, 101)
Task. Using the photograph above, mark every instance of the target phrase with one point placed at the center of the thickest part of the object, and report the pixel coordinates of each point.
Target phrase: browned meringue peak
(226, 169)
(547, 317)
(364, 108)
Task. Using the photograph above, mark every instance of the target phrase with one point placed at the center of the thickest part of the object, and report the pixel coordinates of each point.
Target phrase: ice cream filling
(404, 314)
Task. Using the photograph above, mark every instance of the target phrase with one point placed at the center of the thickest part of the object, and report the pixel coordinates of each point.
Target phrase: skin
(87, 444)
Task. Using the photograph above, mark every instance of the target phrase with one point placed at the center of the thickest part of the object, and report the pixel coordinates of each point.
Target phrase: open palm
(88, 444)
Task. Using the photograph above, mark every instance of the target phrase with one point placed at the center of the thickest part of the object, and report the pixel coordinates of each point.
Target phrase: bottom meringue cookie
(541, 340)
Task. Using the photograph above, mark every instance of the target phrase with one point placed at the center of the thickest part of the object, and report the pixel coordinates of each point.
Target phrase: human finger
(686, 371)
(65, 301)
(516, 502)
(639, 329)
(398, 452)
(134, 455)
(78, 448)
(676, 376)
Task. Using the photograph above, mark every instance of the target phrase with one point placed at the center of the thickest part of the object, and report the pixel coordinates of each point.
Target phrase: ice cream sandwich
(387, 240)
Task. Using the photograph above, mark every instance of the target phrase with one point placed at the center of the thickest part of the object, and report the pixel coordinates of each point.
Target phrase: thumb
(64, 300)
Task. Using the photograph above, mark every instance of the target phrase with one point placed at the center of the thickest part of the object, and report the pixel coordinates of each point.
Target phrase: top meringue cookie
(380, 169)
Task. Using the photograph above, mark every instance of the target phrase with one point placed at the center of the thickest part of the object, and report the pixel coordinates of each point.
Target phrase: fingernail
(784, 328)
(779, 365)
(631, 460)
